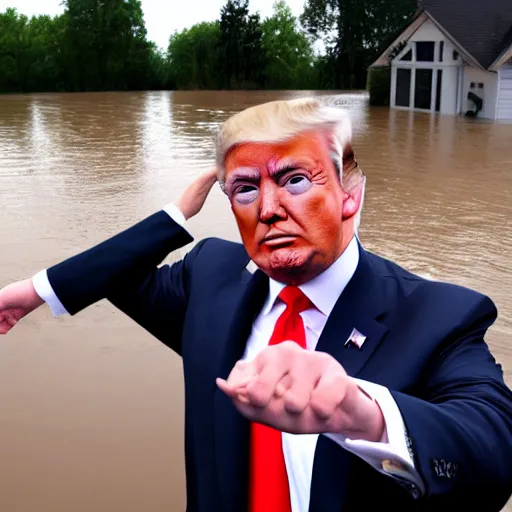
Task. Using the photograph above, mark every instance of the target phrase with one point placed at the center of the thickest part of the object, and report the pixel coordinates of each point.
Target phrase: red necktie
(269, 489)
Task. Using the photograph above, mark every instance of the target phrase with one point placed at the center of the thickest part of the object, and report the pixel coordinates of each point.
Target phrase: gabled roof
(481, 29)
(506, 54)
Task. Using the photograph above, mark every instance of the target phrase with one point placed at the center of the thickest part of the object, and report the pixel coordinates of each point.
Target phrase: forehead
(307, 145)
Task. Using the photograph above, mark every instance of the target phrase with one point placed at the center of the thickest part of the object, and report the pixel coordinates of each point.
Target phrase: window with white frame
(422, 51)
(418, 75)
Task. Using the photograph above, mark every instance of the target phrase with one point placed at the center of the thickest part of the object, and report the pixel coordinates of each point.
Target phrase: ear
(349, 159)
(352, 200)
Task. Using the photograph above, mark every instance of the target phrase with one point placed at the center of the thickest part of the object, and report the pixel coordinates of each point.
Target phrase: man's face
(289, 206)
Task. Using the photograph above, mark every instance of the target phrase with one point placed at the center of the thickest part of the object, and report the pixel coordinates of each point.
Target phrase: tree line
(100, 45)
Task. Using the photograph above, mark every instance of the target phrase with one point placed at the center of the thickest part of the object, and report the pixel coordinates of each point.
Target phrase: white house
(454, 57)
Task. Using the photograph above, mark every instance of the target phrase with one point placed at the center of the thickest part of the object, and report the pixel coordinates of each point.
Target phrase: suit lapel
(358, 307)
(231, 428)
(247, 298)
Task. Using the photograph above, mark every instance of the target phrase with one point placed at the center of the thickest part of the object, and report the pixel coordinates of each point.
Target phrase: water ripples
(76, 168)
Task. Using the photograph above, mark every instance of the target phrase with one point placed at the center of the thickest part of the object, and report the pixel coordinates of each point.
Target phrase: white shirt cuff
(391, 455)
(175, 213)
(45, 291)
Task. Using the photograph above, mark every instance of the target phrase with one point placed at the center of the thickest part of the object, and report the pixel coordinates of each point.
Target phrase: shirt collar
(324, 290)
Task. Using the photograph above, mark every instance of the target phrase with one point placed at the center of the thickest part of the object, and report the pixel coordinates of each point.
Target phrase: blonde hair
(277, 121)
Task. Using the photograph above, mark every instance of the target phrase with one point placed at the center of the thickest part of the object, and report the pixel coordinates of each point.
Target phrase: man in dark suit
(318, 376)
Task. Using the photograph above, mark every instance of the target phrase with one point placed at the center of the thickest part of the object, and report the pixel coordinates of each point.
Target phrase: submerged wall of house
(449, 86)
(445, 67)
(485, 85)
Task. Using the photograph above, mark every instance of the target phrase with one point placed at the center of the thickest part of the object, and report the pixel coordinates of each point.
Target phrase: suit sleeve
(124, 269)
(460, 424)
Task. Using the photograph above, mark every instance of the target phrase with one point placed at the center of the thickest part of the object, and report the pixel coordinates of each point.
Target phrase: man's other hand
(16, 301)
(302, 392)
(194, 197)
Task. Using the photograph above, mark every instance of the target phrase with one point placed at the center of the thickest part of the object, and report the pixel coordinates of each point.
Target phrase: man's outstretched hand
(194, 197)
(16, 301)
(302, 392)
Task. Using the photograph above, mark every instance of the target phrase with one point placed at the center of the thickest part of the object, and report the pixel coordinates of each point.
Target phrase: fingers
(296, 378)
(283, 386)
(7, 322)
(317, 381)
(206, 181)
(329, 393)
(273, 378)
(194, 197)
(279, 372)
(305, 375)
(263, 379)
(263, 386)
(211, 174)
(294, 390)
(240, 376)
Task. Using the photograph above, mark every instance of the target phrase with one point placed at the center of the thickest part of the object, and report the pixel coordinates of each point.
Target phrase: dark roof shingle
(482, 27)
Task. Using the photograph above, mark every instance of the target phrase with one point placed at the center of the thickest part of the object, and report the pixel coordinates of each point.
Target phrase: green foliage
(241, 52)
(240, 47)
(30, 53)
(354, 32)
(94, 45)
(193, 57)
(103, 45)
(289, 58)
(106, 44)
(379, 86)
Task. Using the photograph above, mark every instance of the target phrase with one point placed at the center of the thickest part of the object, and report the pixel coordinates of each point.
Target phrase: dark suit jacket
(425, 342)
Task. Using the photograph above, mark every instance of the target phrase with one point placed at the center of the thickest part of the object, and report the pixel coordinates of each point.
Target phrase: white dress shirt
(390, 456)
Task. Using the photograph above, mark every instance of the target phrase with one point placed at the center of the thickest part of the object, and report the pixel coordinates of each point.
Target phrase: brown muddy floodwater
(91, 407)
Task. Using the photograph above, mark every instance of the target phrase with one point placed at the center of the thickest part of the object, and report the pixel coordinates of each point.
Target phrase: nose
(271, 209)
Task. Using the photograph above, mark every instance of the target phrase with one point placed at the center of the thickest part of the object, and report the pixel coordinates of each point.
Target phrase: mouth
(278, 239)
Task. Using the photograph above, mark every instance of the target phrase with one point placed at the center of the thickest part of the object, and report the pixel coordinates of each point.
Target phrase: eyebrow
(279, 167)
(243, 173)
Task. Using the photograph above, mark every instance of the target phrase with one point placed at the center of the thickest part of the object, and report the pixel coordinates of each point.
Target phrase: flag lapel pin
(356, 338)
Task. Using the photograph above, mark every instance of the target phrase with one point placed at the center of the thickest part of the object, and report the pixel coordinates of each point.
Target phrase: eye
(246, 194)
(298, 184)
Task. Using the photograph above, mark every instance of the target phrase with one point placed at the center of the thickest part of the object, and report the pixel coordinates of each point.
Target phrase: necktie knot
(295, 299)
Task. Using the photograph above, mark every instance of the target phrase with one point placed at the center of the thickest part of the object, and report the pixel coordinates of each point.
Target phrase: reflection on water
(91, 415)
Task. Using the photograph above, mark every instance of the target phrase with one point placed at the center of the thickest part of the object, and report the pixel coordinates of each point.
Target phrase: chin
(284, 264)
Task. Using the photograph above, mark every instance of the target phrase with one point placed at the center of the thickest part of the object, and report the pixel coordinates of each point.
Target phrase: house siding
(488, 93)
(428, 32)
(449, 90)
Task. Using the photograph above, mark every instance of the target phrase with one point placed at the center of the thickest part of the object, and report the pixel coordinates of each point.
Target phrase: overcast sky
(162, 16)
